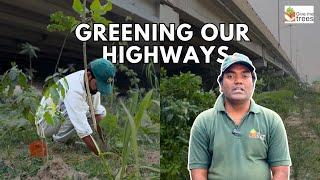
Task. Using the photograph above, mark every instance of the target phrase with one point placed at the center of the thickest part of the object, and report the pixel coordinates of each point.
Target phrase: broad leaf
(77, 6)
(107, 7)
(99, 19)
(98, 9)
(22, 80)
(48, 118)
(144, 105)
(95, 5)
(54, 95)
(133, 138)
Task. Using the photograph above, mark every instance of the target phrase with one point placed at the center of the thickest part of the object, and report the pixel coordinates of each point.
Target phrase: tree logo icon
(290, 15)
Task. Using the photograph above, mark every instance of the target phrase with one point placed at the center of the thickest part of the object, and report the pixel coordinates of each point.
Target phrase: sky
(305, 38)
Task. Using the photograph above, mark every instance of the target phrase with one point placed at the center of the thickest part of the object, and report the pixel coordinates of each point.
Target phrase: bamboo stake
(84, 50)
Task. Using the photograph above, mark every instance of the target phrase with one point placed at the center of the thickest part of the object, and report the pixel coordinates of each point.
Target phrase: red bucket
(38, 148)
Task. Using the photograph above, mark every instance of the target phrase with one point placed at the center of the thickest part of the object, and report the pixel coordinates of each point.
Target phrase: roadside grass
(16, 161)
(303, 130)
(305, 155)
(14, 155)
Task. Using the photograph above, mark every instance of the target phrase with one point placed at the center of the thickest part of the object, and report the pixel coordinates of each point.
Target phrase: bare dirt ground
(59, 170)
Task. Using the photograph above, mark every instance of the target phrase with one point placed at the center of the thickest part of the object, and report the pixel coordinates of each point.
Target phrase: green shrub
(281, 101)
(182, 99)
(17, 94)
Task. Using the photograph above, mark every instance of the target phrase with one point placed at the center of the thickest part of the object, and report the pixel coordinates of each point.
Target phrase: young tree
(30, 51)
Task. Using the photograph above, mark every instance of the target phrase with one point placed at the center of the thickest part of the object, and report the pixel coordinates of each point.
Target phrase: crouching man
(73, 107)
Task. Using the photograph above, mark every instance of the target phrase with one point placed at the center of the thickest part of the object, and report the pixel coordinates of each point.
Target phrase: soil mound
(57, 169)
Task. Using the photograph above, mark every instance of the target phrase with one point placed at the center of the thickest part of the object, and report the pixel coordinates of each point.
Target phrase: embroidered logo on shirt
(256, 135)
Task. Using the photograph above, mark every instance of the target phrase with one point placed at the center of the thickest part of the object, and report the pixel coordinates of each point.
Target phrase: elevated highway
(263, 48)
(26, 21)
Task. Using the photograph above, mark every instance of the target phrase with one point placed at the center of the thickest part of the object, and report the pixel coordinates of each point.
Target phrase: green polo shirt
(246, 151)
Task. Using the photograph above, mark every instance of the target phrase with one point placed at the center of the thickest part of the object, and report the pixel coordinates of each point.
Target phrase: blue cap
(236, 58)
(104, 72)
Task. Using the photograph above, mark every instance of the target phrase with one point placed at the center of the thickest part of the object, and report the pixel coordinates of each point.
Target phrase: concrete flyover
(263, 48)
(22, 21)
(26, 21)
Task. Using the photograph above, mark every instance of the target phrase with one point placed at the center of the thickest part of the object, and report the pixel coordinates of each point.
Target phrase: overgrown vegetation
(132, 122)
(182, 99)
(17, 94)
(131, 125)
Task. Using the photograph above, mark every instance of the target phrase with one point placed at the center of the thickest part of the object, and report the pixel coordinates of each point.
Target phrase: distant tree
(30, 51)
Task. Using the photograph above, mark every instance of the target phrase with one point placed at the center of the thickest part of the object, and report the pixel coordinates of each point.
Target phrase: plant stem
(30, 69)
(84, 50)
(61, 50)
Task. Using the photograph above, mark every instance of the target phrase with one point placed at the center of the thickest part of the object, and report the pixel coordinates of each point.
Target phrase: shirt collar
(219, 105)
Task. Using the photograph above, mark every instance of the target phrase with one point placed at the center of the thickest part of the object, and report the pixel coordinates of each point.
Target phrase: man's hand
(280, 172)
(90, 144)
(199, 174)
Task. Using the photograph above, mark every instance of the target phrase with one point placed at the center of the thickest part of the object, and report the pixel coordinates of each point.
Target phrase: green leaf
(46, 93)
(134, 140)
(109, 122)
(95, 5)
(65, 70)
(125, 147)
(150, 168)
(33, 53)
(128, 18)
(65, 83)
(77, 6)
(48, 118)
(13, 73)
(29, 49)
(30, 116)
(99, 19)
(144, 105)
(156, 102)
(22, 80)
(118, 176)
(134, 101)
(54, 95)
(62, 90)
(98, 9)
(23, 51)
(48, 78)
(75, 26)
(107, 7)
(61, 23)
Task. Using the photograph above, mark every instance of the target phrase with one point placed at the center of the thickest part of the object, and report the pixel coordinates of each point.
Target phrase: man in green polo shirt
(237, 138)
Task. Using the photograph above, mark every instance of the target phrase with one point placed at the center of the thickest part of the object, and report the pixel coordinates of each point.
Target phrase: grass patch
(15, 160)
(305, 155)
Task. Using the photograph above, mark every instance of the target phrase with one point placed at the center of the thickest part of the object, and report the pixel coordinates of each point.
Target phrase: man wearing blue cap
(238, 139)
(73, 106)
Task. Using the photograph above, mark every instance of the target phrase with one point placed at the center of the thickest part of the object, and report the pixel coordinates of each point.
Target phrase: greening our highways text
(158, 33)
